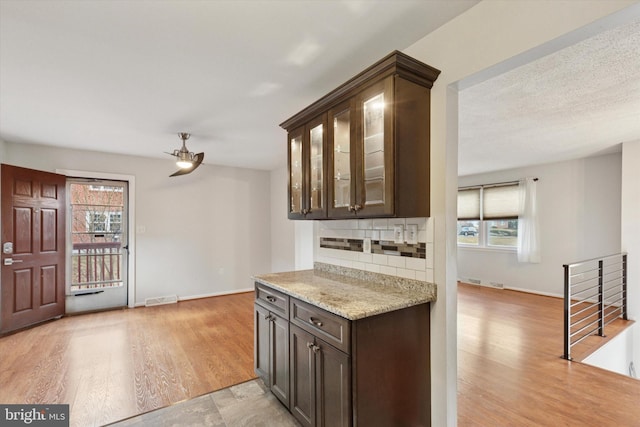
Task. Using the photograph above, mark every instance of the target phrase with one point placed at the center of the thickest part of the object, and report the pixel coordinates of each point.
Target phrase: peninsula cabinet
(368, 372)
(307, 166)
(377, 151)
(271, 346)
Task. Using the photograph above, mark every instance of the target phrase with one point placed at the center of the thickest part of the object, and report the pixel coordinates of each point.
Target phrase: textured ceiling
(127, 76)
(580, 101)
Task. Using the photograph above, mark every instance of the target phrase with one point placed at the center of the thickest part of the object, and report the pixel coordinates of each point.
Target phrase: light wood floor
(510, 372)
(116, 364)
(112, 365)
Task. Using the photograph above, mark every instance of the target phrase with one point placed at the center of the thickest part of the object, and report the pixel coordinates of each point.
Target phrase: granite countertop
(352, 294)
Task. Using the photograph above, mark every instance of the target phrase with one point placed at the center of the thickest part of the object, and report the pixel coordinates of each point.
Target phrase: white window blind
(469, 204)
(502, 202)
(487, 203)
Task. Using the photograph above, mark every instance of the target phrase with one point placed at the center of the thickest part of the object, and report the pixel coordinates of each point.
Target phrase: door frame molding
(131, 228)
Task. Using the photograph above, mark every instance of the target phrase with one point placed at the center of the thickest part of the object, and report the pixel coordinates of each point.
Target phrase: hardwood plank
(111, 365)
(510, 372)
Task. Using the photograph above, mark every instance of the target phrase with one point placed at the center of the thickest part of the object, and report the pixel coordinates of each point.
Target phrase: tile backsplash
(377, 247)
(340, 243)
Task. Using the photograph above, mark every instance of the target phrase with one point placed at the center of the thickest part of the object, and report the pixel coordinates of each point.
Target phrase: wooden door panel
(333, 376)
(23, 188)
(33, 219)
(49, 285)
(22, 230)
(261, 343)
(23, 290)
(48, 230)
(49, 191)
(280, 358)
(302, 364)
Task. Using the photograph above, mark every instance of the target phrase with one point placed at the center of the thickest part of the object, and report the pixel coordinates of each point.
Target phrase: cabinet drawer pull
(271, 299)
(315, 322)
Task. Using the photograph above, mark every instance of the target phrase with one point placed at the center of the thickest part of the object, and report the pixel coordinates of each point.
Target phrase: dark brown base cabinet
(271, 348)
(368, 372)
(320, 382)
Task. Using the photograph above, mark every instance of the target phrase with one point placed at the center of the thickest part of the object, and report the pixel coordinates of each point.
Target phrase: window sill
(488, 249)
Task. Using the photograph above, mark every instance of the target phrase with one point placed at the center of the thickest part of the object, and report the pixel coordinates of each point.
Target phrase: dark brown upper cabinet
(375, 135)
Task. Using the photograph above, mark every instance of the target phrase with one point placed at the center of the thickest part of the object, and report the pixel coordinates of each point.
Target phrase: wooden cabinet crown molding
(396, 63)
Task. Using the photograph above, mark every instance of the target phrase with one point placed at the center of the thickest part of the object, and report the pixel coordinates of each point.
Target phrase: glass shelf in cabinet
(342, 177)
(374, 192)
(373, 173)
(373, 160)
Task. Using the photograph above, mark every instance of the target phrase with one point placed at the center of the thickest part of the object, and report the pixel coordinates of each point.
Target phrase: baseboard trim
(213, 294)
(511, 288)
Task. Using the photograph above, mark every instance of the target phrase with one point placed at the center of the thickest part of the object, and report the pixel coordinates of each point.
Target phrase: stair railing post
(600, 299)
(624, 287)
(567, 314)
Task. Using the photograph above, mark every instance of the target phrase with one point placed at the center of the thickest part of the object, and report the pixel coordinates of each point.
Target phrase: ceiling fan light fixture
(186, 160)
(184, 164)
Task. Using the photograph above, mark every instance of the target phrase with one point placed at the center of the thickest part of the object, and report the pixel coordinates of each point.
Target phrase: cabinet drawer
(274, 300)
(330, 327)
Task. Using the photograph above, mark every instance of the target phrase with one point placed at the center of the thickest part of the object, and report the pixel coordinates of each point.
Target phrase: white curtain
(528, 230)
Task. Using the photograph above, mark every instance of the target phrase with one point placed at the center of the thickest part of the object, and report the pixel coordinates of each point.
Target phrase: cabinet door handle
(316, 349)
(357, 208)
(271, 299)
(350, 208)
(310, 345)
(315, 322)
(267, 317)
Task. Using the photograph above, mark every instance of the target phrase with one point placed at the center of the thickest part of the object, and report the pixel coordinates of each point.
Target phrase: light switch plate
(366, 245)
(412, 234)
(398, 233)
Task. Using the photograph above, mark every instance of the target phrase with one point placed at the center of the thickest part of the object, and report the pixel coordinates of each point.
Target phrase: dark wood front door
(33, 247)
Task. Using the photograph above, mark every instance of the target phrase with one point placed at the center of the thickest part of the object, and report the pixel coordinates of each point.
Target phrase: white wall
(491, 37)
(631, 233)
(291, 247)
(205, 233)
(282, 229)
(579, 211)
(617, 354)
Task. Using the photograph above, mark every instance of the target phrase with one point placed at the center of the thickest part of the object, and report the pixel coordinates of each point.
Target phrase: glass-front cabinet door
(361, 154)
(316, 188)
(341, 160)
(307, 165)
(295, 174)
(375, 150)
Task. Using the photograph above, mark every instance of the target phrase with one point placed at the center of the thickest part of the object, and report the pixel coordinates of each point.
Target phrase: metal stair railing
(595, 294)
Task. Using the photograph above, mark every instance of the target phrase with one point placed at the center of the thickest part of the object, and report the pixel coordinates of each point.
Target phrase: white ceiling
(127, 76)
